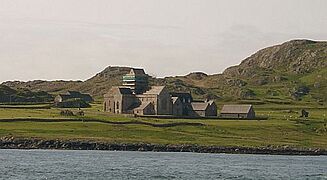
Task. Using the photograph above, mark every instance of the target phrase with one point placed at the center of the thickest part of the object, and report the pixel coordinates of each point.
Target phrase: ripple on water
(55, 164)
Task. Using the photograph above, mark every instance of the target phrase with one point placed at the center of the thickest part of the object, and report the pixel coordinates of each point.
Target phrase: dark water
(54, 164)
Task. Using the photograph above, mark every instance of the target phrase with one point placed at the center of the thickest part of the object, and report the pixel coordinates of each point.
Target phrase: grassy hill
(291, 73)
(9, 95)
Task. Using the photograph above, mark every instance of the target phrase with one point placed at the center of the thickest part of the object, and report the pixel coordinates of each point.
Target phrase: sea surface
(57, 164)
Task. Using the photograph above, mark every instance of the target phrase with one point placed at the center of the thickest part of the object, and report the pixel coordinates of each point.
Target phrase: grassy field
(283, 128)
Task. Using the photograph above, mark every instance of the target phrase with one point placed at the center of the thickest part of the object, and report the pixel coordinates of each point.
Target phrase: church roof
(155, 90)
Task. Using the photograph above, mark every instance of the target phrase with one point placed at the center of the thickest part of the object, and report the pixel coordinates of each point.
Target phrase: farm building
(237, 112)
(204, 109)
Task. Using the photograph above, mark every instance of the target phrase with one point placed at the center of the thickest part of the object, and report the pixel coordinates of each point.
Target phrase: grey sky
(74, 39)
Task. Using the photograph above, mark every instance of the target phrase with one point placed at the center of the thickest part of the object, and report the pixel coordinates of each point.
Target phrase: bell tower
(136, 80)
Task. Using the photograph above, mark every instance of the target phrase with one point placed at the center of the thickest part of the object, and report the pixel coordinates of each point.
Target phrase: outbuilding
(241, 111)
(204, 109)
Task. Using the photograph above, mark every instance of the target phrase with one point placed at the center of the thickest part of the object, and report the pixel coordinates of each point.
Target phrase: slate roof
(199, 106)
(155, 90)
(236, 109)
(117, 89)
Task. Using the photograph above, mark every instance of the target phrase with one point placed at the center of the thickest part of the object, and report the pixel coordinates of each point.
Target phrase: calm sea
(55, 164)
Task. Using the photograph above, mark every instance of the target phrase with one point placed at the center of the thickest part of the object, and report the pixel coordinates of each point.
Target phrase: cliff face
(295, 70)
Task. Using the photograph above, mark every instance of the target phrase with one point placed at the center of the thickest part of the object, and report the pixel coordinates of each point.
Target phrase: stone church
(136, 97)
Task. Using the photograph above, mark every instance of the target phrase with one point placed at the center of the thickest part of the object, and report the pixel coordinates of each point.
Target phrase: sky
(75, 39)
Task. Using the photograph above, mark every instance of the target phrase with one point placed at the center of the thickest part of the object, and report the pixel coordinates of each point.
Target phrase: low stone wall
(33, 143)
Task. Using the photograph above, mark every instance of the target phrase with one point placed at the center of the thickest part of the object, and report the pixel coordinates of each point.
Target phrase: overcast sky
(75, 39)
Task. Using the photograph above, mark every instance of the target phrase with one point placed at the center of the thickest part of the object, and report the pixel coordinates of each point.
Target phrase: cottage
(204, 109)
(237, 112)
(73, 95)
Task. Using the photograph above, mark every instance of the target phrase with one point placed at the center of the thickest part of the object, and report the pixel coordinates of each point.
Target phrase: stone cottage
(204, 109)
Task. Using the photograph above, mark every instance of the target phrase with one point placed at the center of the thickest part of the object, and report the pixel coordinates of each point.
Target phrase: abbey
(136, 97)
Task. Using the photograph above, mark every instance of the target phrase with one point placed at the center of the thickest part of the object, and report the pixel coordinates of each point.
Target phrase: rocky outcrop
(34, 143)
(294, 57)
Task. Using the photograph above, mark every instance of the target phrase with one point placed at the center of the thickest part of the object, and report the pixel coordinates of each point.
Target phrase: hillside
(9, 95)
(294, 71)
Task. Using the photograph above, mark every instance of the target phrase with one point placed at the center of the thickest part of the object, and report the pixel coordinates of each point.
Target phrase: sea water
(57, 164)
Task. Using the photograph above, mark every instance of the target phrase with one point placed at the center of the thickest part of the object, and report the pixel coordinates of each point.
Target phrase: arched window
(117, 105)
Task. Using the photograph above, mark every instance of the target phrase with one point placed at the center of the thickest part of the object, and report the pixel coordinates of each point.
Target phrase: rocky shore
(34, 143)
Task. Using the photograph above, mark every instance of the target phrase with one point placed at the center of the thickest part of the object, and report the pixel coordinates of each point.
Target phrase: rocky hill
(293, 71)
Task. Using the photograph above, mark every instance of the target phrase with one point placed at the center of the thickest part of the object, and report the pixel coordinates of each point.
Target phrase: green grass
(283, 128)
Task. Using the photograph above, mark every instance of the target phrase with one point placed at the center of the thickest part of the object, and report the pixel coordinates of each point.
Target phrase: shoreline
(35, 143)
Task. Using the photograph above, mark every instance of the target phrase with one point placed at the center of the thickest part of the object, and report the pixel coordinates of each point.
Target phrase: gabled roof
(175, 99)
(120, 90)
(236, 109)
(199, 106)
(74, 93)
(211, 102)
(155, 90)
